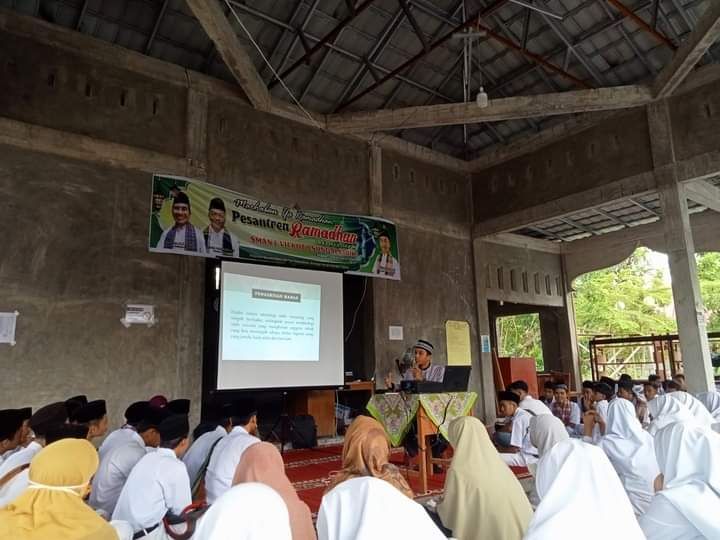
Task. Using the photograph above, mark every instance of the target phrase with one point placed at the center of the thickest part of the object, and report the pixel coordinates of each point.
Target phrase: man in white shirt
(14, 469)
(527, 402)
(219, 242)
(521, 452)
(183, 235)
(197, 457)
(227, 453)
(134, 414)
(158, 484)
(94, 416)
(117, 463)
(595, 421)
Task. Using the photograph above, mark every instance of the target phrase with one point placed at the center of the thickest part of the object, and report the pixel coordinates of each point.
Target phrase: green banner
(190, 217)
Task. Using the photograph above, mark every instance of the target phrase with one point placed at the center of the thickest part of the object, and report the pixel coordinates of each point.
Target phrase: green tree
(709, 276)
(519, 336)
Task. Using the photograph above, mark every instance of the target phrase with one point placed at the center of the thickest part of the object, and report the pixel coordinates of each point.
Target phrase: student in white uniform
(11, 430)
(595, 421)
(197, 457)
(711, 400)
(631, 451)
(227, 453)
(580, 497)
(94, 416)
(527, 402)
(116, 465)
(687, 507)
(521, 452)
(158, 484)
(14, 470)
(696, 407)
(219, 241)
(664, 410)
(134, 414)
(183, 235)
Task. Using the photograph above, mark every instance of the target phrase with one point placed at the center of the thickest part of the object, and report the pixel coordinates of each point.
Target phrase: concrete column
(482, 378)
(681, 254)
(550, 336)
(567, 333)
(375, 184)
(196, 130)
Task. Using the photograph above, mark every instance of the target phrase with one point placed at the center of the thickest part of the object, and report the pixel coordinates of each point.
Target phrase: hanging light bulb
(482, 98)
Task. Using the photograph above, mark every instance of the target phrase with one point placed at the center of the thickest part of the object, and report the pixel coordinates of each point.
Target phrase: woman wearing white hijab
(664, 410)
(248, 511)
(632, 452)
(368, 508)
(696, 407)
(688, 506)
(581, 496)
(545, 432)
(711, 400)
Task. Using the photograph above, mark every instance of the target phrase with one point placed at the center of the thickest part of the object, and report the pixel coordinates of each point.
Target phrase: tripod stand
(286, 426)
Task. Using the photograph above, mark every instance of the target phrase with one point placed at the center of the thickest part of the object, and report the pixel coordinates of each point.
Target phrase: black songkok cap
(604, 389)
(153, 417)
(174, 427)
(75, 402)
(217, 204)
(10, 421)
(588, 384)
(242, 408)
(509, 396)
(48, 416)
(135, 413)
(94, 410)
(179, 406)
(66, 431)
(626, 385)
(25, 413)
(181, 198)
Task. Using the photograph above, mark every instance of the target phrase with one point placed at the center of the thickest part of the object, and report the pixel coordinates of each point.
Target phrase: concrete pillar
(567, 333)
(550, 335)
(681, 254)
(375, 184)
(482, 379)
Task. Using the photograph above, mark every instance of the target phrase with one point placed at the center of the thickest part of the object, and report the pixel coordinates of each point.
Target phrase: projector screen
(279, 328)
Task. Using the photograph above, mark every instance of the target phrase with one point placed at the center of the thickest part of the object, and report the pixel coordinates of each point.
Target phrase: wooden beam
(705, 34)
(218, 28)
(703, 193)
(600, 99)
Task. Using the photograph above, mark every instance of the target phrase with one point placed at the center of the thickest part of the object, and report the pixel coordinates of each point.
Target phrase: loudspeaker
(304, 432)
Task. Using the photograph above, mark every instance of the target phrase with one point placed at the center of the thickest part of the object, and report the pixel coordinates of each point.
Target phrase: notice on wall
(457, 334)
(8, 322)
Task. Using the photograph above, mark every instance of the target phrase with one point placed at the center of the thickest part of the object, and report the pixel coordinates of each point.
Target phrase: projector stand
(286, 425)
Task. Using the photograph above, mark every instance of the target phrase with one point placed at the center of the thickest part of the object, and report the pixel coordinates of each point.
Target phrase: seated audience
(711, 400)
(679, 378)
(687, 505)
(696, 408)
(228, 452)
(197, 457)
(13, 471)
(134, 414)
(482, 499)
(262, 463)
(594, 421)
(651, 390)
(527, 402)
(548, 393)
(52, 507)
(626, 390)
(158, 484)
(587, 400)
(521, 452)
(664, 410)
(566, 410)
(93, 415)
(545, 432)
(367, 508)
(366, 452)
(11, 431)
(672, 386)
(116, 465)
(245, 512)
(631, 451)
(581, 497)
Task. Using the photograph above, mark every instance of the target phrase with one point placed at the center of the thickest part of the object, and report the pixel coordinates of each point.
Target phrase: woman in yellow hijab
(483, 499)
(52, 506)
